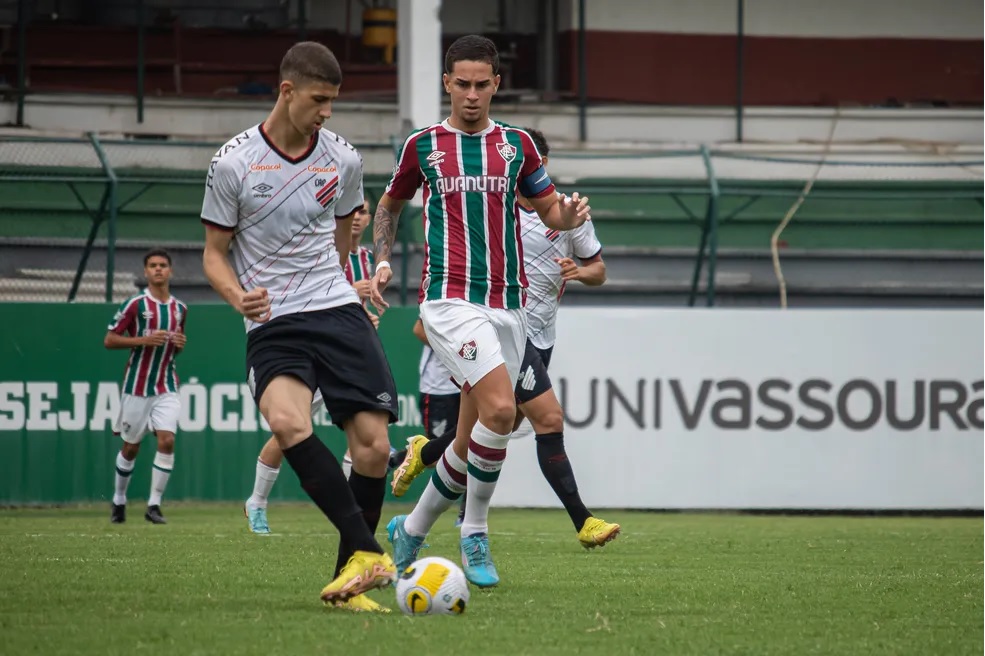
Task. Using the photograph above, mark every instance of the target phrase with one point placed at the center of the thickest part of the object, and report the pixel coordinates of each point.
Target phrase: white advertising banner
(825, 409)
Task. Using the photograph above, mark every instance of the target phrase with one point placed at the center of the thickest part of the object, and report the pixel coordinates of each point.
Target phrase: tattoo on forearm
(384, 233)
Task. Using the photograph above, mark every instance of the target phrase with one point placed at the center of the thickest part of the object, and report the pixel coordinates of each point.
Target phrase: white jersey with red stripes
(282, 213)
(541, 245)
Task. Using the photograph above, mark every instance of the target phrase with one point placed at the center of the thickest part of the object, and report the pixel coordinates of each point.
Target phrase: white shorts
(471, 340)
(140, 415)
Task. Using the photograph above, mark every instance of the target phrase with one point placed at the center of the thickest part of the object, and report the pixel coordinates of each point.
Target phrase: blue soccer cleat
(476, 561)
(406, 547)
(257, 519)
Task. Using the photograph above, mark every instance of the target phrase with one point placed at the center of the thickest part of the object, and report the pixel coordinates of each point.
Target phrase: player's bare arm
(561, 212)
(343, 236)
(113, 341)
(384, 234)
(590, 273)
(254, 304)
(419, 332)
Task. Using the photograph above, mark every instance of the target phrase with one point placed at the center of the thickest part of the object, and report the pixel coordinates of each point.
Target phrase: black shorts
(439, 413)
(534, 380)
(336, 351)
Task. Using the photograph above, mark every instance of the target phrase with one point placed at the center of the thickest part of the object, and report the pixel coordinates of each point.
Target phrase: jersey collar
(292, 160)
(489, 128)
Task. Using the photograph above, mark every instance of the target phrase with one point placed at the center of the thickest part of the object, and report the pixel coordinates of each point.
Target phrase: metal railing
(101, 179)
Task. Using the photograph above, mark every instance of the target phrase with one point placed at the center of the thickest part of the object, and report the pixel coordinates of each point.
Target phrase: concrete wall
(838, 52)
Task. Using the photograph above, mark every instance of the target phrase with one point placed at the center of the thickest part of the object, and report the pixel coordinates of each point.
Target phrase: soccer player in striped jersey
(472, 169)
(548, 257)
(278, 203)
(359, 268)
(152, 326)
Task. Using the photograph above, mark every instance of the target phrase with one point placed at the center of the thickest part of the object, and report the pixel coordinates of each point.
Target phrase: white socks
(124, 468)
(487, 451)
(445, 487)
(160, 473)
(262, 484)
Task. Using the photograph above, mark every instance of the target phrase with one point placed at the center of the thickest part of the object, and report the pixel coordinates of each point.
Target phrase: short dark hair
(308, 61)
(472, 47)
(157, 252)
(539, 140)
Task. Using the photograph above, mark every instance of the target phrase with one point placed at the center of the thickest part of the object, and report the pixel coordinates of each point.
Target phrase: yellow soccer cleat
(410, 468)
(365, 571)
(596, 532)
(361, 604)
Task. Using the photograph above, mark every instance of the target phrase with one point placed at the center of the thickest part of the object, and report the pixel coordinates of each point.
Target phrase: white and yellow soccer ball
(432, 586)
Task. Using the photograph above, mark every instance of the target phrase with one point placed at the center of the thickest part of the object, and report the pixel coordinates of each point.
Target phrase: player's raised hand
(255, 305)
(569, 270)
(156, 338)
(574, 210)
(376, 286)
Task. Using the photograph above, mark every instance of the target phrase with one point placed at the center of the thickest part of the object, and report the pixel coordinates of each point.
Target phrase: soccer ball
(432, 586)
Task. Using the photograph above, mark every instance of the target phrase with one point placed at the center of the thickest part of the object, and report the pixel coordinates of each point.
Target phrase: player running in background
(286, 189)
(472, 169)
(152, 326)
(548, 259)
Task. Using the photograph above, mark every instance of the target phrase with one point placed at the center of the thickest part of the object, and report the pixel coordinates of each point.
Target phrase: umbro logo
(436, 157)
(384, 397)
(148, 315)
(262, 190)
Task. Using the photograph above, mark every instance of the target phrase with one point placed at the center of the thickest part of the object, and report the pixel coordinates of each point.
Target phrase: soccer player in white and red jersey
(358, 271)
(472, 169)
(549, 260)
(152, 326)
(278, 203)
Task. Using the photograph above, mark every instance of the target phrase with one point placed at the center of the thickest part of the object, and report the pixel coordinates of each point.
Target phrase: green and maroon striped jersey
(150, 369)
(471, 230)
(359, 266)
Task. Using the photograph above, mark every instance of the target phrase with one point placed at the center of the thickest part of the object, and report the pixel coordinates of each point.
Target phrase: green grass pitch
(72, 583)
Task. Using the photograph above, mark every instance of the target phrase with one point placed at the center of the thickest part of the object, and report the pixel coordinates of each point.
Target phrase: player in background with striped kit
(152, 326)
(472, 292)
